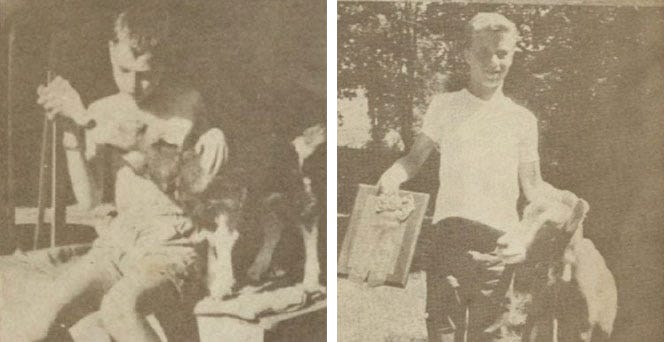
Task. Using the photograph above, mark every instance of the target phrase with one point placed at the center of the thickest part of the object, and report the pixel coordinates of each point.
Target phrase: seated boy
(489, 147)
(132, 270)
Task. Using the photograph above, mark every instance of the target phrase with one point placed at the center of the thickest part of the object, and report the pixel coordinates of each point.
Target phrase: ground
(383, 313)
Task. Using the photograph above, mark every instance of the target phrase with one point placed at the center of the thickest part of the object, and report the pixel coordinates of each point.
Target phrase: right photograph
(499, 172)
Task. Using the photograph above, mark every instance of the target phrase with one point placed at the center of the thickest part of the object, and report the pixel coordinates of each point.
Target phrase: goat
(574, 295)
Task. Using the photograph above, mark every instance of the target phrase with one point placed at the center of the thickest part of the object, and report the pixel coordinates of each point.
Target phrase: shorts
(146, 248)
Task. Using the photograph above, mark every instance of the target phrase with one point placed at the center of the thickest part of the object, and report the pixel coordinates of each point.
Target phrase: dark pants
(458, 280)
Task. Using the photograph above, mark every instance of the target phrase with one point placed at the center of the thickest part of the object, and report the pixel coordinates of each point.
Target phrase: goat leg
(220, 268)
(312, 269)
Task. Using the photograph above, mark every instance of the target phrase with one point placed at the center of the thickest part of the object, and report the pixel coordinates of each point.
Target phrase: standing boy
(489, 147)
(131, 270)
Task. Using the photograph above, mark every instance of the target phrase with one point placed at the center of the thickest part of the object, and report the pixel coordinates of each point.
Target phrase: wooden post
(8, 239)
(50, 132)
(57, 202)
(41, 192)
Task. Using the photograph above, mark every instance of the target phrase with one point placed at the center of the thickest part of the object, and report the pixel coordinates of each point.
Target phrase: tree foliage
(399, 54)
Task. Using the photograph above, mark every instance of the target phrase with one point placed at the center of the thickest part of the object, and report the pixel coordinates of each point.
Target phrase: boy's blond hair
(487, 21)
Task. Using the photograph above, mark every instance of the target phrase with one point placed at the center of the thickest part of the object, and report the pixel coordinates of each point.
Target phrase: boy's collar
(497, 97)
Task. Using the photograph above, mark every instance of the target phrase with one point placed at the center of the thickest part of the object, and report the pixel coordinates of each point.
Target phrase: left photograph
(163, 170)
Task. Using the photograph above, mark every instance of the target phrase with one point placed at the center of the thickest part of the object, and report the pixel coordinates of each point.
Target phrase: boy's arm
(210, 145)
(530, 178)
(213, 152)
(87, 175)
(408, 166)
(533, 185)
(59, 98)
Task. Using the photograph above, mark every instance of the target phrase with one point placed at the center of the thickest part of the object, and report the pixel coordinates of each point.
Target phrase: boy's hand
(60, 98)
(488, 261)
(213, 150)
(511, 248)
(388, 186)
(390, 181)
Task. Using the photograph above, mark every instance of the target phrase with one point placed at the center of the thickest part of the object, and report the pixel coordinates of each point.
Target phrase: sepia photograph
(499, 171)
(163, 170)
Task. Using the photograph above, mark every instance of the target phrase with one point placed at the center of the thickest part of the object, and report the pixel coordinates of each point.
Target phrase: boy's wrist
(71, 141)
(392, 179)
(396, 174)
(83, 120)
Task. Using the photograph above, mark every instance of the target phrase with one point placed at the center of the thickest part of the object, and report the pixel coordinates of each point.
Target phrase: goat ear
(578, 215)
(568, 198)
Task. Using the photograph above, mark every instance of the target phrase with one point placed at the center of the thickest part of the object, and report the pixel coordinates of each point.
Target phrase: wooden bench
(214, 321)
(308, 324)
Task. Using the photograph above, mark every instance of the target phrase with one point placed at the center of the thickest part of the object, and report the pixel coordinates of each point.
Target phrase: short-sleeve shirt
(482, 143)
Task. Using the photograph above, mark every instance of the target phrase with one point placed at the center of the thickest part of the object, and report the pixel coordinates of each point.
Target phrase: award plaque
(382, 235)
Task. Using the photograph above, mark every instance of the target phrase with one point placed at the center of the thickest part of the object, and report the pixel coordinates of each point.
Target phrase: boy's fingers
(59, 85)
(57, 81)
(51, 97)
(50, 114)
(487, 259)
(217, 163)
(206, 159)
(48, 97)
(50, 104)
(387, 189)
(198, 148)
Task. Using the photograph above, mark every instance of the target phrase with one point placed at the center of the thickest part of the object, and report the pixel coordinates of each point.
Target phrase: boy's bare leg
(120, 312)
(148, 288)
(75, 294)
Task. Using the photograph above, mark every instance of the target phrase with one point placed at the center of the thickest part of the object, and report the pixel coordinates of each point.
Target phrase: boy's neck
(482, 92)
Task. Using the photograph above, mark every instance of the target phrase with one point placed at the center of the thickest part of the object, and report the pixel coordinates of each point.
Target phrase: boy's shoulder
(443, 104)
(181, 100)
(183, 93)
(182, 97)
(520, 111)
(447, 97)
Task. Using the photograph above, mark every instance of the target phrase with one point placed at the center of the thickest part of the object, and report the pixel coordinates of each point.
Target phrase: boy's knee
(119, 304)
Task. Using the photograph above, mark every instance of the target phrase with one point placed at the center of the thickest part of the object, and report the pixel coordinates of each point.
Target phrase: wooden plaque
(379, 242)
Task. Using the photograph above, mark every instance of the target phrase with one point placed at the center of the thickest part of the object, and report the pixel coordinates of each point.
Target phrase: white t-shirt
(482, 144)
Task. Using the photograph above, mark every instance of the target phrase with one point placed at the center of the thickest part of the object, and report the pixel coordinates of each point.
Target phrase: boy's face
(490, 57)
(135, 75)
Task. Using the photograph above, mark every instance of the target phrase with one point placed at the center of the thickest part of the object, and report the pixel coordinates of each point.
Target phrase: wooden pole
(41, 193)
(54, 175)
(9, 230)
(43, 168)
(57, 179)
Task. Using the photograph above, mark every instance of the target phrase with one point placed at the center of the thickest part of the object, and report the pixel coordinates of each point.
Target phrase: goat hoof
(220, 292)
(312, 287)
(256, 271)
